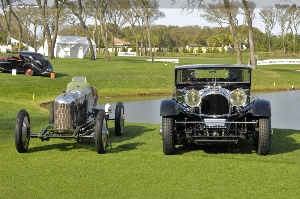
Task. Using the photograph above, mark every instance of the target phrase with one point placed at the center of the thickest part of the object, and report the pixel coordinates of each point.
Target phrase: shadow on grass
(282, 141)
(59, 75)
(242, 147)
(114, 146)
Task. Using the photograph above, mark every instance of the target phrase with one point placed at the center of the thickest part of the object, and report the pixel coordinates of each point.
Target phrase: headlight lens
(238, 97)
(192, 98)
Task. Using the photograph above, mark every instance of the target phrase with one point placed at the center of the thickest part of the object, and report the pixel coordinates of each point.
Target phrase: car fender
(33, 67)
(168, 107)
(261, 108)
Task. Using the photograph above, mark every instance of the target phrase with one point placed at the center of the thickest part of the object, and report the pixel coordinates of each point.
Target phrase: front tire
(119, 119)
(168, 136)
(101, 132)
(22, 131)
(263, 138)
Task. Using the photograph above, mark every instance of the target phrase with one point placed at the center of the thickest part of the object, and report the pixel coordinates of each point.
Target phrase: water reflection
(285, 109)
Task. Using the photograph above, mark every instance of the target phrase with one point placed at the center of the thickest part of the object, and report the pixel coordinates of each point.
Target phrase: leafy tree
(268, 16)
(283, 16)
(248, 12)
(78, 10)
(50, 28)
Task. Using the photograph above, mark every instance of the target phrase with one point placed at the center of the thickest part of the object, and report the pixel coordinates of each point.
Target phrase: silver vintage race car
(74, 114)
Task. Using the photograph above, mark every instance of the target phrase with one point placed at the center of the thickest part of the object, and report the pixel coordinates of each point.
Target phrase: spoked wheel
(168, 136)
(29, 72)
(119, 119)
(262, 138)
(101, 132)
(22, 131)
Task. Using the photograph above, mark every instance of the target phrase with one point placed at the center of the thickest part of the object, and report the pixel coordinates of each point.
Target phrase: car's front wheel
(262, 138)
(168, 135)
(101, 132)
(22, 131)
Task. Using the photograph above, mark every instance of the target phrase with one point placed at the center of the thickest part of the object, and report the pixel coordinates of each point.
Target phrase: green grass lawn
(134, 165)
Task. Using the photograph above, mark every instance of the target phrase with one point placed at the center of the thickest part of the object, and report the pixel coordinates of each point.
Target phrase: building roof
(72, 40)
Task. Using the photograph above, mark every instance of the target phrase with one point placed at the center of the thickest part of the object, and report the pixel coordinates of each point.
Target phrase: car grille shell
(215, 104)
(63, 119)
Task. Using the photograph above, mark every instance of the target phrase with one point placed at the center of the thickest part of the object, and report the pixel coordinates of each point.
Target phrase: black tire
(101, 132)
(22, 131)
(168, 136)
(51, 113)
(119, 119)
(263, 138)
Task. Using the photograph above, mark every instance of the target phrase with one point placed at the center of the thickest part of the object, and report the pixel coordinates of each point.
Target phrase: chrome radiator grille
(214, 104)
(62, 116)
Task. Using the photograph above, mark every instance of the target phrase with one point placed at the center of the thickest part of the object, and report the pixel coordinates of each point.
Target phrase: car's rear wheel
(168, 135)
(22, 131)
(119, 119)
(29, 72)
(101, 132)
(262, 138)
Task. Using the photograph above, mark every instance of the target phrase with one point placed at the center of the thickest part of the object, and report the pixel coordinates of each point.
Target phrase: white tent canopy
(70, 47)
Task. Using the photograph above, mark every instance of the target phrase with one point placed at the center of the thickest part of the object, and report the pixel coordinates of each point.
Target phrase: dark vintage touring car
(212, 104)
(28, 63)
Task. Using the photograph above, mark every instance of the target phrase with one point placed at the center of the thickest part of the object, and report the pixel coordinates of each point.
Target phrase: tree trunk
(233, 32)
(269, 40)
(103, 35)
(34, 37)
(51, 36)
(20, 30)
(137, 45)
(250, 29)
(283, 41)
(86, 30)
(148, 35)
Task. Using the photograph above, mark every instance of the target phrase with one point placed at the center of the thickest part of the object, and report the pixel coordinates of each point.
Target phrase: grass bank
(133, 76)
(134, 166)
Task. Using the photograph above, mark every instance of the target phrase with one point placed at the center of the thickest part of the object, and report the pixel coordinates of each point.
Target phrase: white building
(69, 47)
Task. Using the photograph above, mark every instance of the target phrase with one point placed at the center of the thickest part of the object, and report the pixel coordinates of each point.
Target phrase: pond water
(285, 109)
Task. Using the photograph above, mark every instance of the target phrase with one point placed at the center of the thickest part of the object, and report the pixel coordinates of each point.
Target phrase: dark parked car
(212, 104)
(28, 63)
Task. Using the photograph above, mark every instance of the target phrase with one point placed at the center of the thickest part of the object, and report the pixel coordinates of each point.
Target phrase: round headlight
(237, 97)
(192, 98)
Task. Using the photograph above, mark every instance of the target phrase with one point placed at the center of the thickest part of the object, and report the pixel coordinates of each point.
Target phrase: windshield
(217, 75)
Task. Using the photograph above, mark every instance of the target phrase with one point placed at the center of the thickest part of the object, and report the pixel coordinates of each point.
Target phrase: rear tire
(101, 132)
(29, 72)
(168, 136)
(119, 119)
(22, 131)
(263, 138)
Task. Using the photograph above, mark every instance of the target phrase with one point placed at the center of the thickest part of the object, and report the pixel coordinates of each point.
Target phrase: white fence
(165, 60)
(126, 53)
(278, 61)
